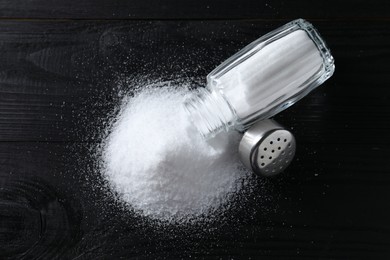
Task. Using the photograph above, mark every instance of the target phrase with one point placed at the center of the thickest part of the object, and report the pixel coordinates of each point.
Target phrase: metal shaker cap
(267, 148)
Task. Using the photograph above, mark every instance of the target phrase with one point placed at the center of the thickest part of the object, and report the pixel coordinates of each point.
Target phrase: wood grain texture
(55, 75)
(53, 204)
(194, 9)
(59, 84)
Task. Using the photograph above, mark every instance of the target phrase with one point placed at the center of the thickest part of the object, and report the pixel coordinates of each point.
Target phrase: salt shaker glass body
(264, 78)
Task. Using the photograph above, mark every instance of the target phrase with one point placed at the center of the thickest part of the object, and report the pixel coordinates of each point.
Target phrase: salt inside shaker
(264, 78)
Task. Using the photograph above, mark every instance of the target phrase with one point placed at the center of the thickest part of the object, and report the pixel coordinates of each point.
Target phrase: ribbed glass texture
(264, 78)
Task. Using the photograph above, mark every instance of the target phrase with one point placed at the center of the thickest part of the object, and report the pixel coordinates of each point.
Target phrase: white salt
(160, 166)
(276, 72)
(261, 80)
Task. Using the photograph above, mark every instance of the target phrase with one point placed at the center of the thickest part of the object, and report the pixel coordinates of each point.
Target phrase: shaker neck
(209, 112)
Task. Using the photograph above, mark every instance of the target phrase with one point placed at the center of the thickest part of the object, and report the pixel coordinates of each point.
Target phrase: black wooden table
(60, 66)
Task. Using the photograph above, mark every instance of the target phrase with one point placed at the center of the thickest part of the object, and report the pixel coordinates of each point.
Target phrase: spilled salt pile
(160, 166)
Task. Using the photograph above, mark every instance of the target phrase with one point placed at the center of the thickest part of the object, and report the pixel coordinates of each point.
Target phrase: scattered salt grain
(158, 164)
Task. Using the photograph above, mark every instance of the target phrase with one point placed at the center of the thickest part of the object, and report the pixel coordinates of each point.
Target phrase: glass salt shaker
(264, 78)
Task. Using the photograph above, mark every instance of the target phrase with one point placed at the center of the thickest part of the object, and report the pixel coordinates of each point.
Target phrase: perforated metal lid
(267, 148)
